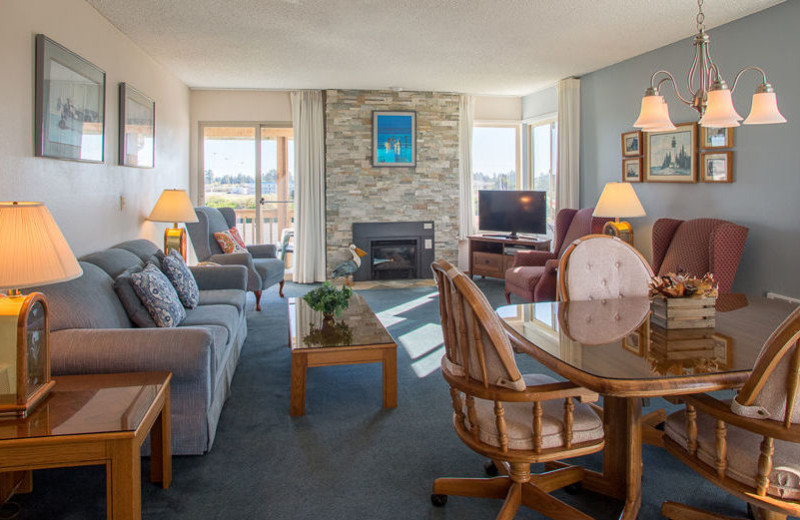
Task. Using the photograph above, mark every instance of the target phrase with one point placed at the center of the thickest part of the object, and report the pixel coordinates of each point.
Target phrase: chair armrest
(546, 290)
(722, 411)
(186, 352)
(532, 258)
(560, 390)
(263, 251)
(245, 259)
(220, 277)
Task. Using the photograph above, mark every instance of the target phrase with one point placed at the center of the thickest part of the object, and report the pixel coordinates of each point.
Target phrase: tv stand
(491, 255)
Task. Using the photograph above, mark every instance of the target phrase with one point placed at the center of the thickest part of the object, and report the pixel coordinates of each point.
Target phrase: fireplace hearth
(395, 250)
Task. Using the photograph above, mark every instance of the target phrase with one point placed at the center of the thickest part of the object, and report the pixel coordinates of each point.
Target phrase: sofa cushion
(226, 316)
(87, 302)
(113, 261)
(158, 296)
(235, 297)
(181, 278)
(141, 247)
(133, 305)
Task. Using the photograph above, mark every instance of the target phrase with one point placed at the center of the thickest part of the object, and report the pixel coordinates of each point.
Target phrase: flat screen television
(512, 212)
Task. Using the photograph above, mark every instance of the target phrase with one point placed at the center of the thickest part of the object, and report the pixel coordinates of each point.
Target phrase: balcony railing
(273, 221)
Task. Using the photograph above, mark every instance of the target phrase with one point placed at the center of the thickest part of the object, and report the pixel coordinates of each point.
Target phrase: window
(495, 159)
(542, 170)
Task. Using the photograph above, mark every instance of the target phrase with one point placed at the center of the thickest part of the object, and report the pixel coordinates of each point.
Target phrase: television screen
(512, 211)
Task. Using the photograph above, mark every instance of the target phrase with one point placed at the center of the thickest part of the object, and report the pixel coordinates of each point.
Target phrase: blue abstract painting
(394, 138)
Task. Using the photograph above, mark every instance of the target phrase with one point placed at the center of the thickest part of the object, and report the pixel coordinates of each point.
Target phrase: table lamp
(618, 200)
(174, 206)
(33, 252)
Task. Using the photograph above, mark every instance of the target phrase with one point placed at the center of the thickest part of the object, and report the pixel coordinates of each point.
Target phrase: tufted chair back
(601, 267)
(697, 247)
(209, 221)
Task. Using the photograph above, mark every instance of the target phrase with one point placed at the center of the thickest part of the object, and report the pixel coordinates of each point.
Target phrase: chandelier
(709, 94)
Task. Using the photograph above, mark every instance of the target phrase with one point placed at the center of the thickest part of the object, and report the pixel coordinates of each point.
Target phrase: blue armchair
(264, 268)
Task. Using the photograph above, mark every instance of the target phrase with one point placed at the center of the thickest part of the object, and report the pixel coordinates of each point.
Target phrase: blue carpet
(347, 458)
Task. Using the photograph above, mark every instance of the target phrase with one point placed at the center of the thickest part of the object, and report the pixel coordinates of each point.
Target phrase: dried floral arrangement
(673, 285)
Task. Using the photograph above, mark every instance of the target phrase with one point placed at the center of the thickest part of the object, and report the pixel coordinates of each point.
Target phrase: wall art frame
(716, 137)
(716, 166)
(671, 154)
(394, 139)
(137, 128)
(632, 169)
(632, 143)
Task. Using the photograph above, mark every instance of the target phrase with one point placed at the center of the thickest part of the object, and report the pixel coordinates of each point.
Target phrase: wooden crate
(683, 313)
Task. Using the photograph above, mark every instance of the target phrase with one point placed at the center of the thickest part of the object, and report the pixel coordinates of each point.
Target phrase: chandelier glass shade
(709, 94)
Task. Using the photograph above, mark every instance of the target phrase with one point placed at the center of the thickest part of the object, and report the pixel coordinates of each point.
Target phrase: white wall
(85, 198)
(252, 106)
(498, 108)
(541, 103)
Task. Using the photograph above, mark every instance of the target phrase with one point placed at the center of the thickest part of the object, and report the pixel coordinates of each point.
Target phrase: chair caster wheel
(490, 469)
(574, 489)
(438, 500)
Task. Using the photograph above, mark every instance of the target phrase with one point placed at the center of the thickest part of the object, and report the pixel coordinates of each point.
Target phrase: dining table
(613, 348)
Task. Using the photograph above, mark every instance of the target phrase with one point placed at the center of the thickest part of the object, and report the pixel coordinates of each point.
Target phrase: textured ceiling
(510, 47)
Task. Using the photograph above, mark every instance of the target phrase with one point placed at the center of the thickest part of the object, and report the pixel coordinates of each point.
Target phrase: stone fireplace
(395, 250)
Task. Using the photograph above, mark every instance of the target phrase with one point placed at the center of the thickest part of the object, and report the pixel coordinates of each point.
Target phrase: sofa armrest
(532, 258)
(263, 251)
(210, 277)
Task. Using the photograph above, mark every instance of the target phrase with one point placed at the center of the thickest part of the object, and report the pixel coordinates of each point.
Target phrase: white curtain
(466, 216)
(309, 160)
(569, 145)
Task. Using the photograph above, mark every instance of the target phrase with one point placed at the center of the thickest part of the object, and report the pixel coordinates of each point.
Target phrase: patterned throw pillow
(237, 237)
(227, 243)
(158, 296)
(181, 278)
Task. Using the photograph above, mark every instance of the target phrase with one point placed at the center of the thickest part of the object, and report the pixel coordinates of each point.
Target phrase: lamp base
(621, 230)
(175, 238)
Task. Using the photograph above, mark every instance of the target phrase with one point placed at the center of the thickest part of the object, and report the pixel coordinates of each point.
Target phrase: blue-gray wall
(765, 194)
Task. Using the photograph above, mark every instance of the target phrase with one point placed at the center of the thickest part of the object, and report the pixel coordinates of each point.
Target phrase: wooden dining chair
(514, 419)
(749, 446)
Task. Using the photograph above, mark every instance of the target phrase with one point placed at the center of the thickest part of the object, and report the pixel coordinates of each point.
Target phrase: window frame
(531, 124)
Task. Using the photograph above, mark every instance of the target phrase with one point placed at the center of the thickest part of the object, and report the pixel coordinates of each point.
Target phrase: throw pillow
(133, 305)
(227, 243)
(181, 278)
(158, 296)
(236, 236)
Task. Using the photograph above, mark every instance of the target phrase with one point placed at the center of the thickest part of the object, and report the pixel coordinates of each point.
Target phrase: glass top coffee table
(357, 336)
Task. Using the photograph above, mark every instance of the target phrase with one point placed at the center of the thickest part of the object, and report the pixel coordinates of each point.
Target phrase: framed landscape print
(69, 106)
(717, 166)
(632, 144)
(137, 125)
(716, 137)
(670, 155)
(632, 169)
(394, 139)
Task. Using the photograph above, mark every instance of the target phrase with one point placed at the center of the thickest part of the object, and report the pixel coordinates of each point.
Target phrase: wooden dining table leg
(622, 456)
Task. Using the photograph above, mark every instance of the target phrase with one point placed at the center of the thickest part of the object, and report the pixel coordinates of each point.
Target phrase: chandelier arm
(669, 78)
(757, 69)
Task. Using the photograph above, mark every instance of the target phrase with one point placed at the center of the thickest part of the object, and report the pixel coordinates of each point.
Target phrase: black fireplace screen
(394, 259)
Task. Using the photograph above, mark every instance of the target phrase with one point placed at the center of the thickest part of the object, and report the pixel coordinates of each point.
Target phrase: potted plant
(329, 300)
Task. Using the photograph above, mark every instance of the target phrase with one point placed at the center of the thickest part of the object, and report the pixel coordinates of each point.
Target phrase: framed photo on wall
(671, 154)
(632, 169)
(632, 144)
(717, 166)
(716, 137)
(137, 127)
(69, 105)
(394, 139)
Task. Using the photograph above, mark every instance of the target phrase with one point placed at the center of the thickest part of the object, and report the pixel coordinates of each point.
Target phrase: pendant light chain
(700, 17)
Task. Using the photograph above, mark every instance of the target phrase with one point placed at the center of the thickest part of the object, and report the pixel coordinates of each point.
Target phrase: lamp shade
(618, 200)
(173, 206)
(764, 110)
(654, 115)
(33, 252)
(720, 112)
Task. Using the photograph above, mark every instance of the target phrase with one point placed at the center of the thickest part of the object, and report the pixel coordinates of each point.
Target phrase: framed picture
(635, 342)
(137, 126)
(717, 166)
(632, 144)
(70, 104)
(394, 139)
(632, 169)
(716, 137)
(670, 155)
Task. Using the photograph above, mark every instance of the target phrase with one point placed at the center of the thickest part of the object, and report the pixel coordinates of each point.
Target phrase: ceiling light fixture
(712, 97)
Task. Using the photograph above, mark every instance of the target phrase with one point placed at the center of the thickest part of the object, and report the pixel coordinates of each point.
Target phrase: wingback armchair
(697, 247)
(264, 269)
(534, 274)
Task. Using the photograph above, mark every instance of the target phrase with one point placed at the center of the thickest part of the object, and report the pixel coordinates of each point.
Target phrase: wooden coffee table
(357, 336)
(100, 419)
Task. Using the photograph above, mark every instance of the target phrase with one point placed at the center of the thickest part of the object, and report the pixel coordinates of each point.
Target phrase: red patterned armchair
(534, 275)
(698, 247)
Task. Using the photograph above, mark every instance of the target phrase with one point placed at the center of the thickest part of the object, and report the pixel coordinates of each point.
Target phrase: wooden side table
(99, 419)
